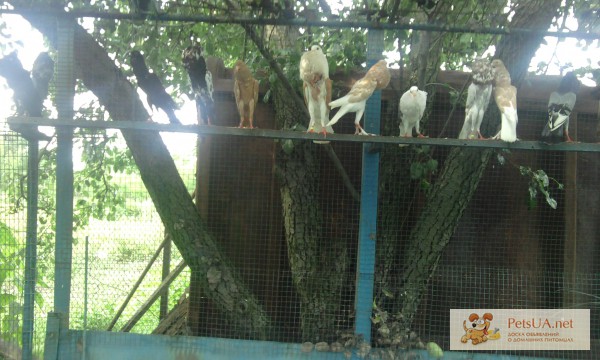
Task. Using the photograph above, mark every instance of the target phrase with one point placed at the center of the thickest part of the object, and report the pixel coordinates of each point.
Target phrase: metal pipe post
(30, 249)
(368, 202)
(65, 91)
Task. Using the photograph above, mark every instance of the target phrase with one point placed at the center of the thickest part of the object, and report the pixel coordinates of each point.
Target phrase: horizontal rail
(245, 20)
(301, 135)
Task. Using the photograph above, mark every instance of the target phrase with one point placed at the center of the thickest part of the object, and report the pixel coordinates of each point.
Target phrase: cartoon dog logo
(478, 329)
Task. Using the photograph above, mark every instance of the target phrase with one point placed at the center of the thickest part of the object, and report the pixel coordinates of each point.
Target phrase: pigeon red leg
(568, 137)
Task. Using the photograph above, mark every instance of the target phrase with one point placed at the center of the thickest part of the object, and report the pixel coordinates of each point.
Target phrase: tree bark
(463, 169)
(172, 201)
(318, 264)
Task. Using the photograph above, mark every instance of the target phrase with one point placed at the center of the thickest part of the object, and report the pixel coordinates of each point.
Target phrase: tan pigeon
(506, 98)
(378, 77)
(245, 88)
(314, 73)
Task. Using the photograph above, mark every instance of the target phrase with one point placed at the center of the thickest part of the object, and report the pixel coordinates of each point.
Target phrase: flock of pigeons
(493, 78)
(488, 78)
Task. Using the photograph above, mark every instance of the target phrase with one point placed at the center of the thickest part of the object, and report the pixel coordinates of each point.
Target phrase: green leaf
(431, 165)
(287, 146)
(416, 170)
(6, 300)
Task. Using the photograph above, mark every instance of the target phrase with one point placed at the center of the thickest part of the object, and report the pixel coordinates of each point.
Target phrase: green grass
(119, 250)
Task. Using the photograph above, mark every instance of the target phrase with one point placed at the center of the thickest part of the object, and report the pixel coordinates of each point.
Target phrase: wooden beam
(300, 135)
(138, 282)
(158, 292)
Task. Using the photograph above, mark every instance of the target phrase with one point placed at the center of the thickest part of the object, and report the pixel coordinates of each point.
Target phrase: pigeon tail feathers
(508, 131)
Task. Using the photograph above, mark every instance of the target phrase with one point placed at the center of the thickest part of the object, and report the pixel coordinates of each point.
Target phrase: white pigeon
(560, 105)
(314, 73)
(506, 98)
(412, 106)
(478, 99)
(378, 77)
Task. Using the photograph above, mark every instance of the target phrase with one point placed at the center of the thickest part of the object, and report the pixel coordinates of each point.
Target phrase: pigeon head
(241, 69)
(482, 71)
(569, 83)
(501, 74)
(136, 58)
(138, 64)
(316, 48)
(9, 61)
(192, 53)
(498, 65)
(44, 58)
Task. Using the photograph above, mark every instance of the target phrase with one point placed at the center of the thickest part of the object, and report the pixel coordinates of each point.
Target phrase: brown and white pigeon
(378, 77)
(314, 73)
(478, 98)
(505, 96)
(245, 89)
(201, 81)
(560, 105)
(412, 106)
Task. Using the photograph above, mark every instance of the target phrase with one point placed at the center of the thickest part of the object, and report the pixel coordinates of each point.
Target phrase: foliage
(424, 166)
(540, 182)
(11, 284)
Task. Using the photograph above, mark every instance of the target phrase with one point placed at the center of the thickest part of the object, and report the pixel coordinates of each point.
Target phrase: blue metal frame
(62, 343)
(367, 237)
(103, 345)
(30, 250)
(64, 171)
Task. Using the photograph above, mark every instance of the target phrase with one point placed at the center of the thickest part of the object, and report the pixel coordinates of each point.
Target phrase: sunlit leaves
(540, 182)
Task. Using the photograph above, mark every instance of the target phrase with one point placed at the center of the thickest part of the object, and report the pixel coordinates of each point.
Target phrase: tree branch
(262, 48)
(162, 180)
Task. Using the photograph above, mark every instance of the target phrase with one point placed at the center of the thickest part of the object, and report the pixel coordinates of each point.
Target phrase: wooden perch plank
(158, 292)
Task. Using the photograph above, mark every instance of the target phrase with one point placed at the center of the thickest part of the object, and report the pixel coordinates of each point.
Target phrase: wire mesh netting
(249, 238)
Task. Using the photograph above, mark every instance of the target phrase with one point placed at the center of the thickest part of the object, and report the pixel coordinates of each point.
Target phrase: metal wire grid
(13, 165)
(508, 263)
(489, 255)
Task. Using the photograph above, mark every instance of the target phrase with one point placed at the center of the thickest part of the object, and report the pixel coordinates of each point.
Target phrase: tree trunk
(172, 201)
(318, 265)
(463, 168)
(398, 191)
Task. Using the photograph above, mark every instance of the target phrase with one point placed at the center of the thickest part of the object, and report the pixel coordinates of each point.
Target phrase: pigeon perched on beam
(560, 106)
(478, 99)
(314, 73)
(201, 81)
(377, 78)
(412, 106)
(245, 89)
(28, 99)
(157, 96)
(505, 96)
